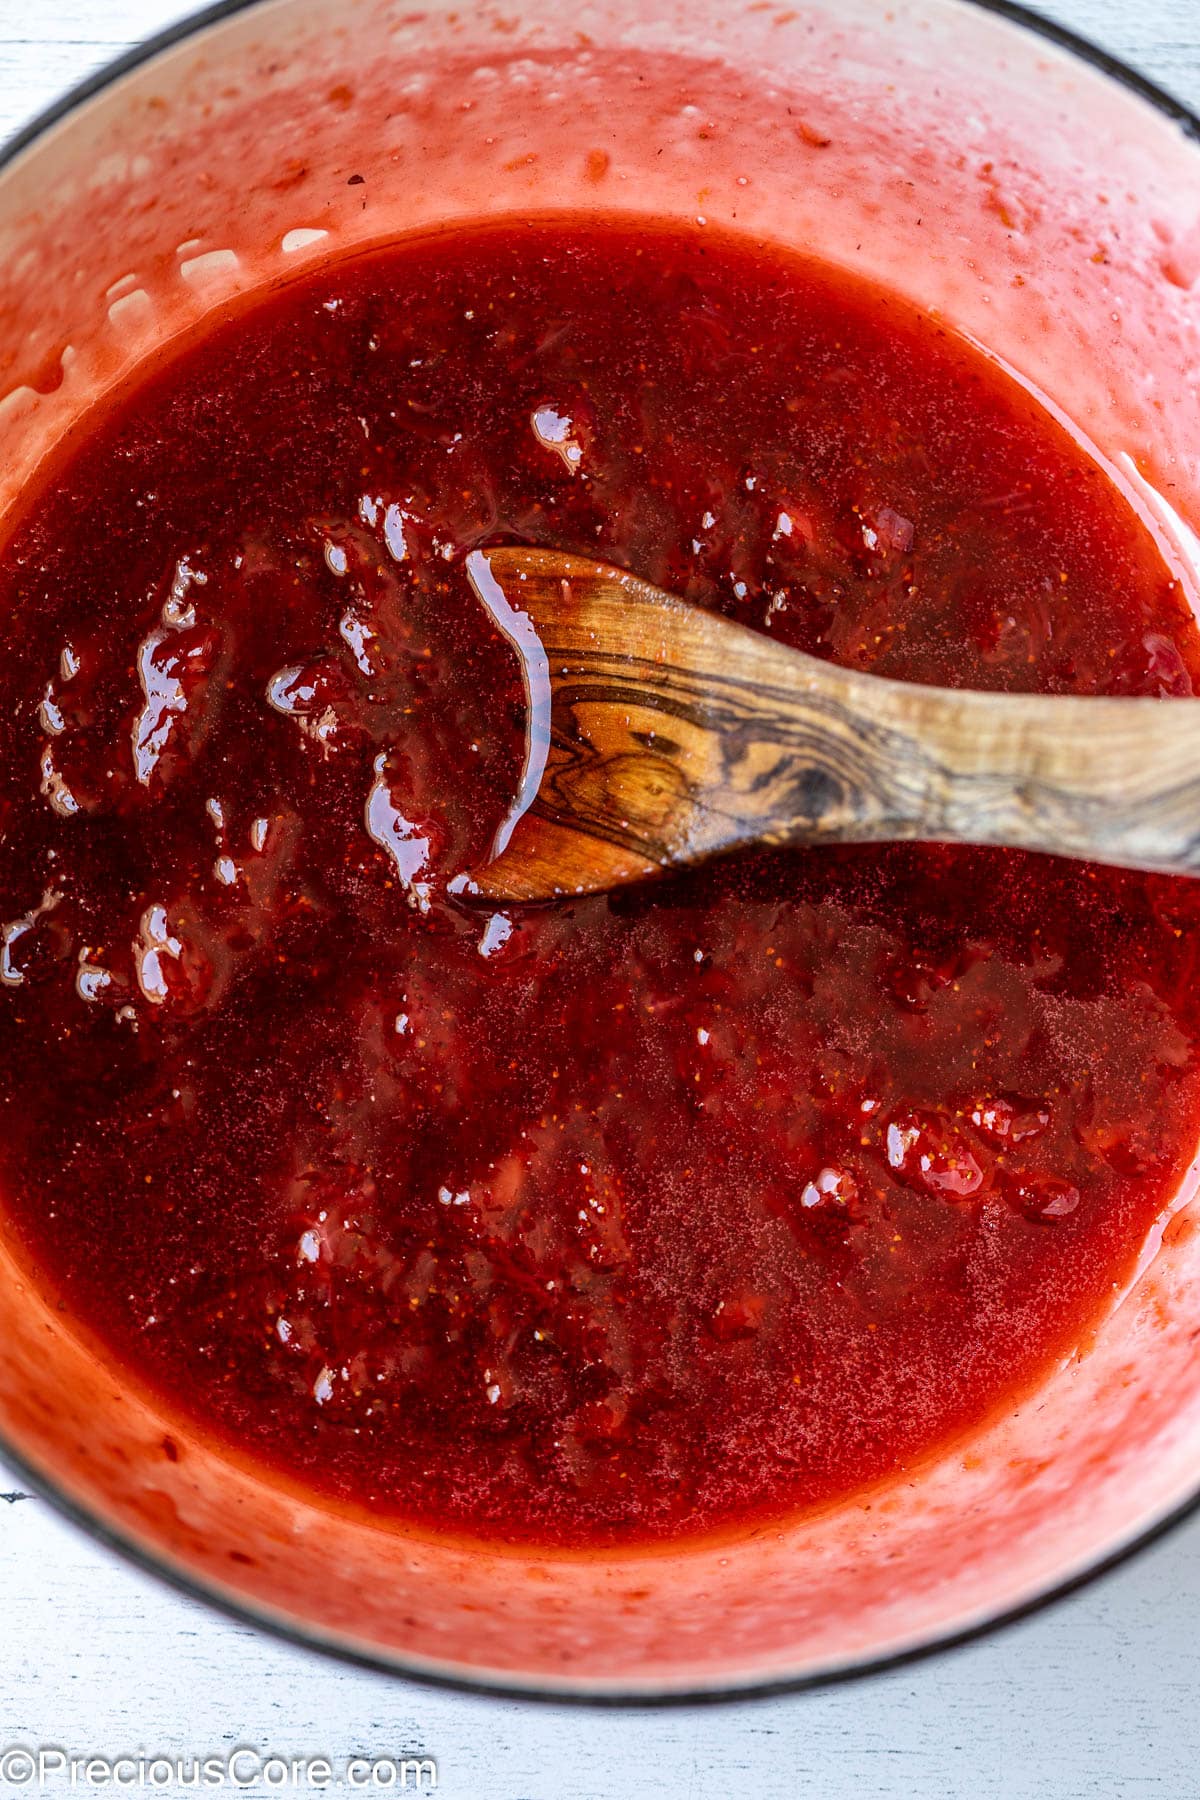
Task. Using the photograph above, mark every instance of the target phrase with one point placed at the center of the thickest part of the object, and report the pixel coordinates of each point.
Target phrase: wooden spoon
(660, 735)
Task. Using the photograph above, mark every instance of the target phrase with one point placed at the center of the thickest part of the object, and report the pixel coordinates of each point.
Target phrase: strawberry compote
(653, 1213)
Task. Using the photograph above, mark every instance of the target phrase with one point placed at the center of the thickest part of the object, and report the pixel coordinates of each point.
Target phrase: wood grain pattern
(676, 735)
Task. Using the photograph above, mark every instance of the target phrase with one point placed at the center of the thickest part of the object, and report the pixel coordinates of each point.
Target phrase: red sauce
(660, 1211)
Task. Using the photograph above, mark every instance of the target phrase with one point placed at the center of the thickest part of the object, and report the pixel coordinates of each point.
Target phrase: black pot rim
(1188, 120)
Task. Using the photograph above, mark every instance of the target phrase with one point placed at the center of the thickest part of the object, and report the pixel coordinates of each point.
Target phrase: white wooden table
(1095, 1698)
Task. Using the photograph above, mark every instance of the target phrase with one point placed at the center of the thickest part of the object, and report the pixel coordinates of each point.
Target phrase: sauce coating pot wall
(1034, 203)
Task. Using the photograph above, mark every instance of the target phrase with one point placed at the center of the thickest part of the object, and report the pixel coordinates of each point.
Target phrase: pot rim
(603, 1695)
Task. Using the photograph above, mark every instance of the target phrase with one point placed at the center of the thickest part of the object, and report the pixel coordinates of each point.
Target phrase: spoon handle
(1108, 780)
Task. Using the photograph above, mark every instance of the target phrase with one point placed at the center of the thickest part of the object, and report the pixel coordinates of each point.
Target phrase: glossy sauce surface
(643, 1215)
